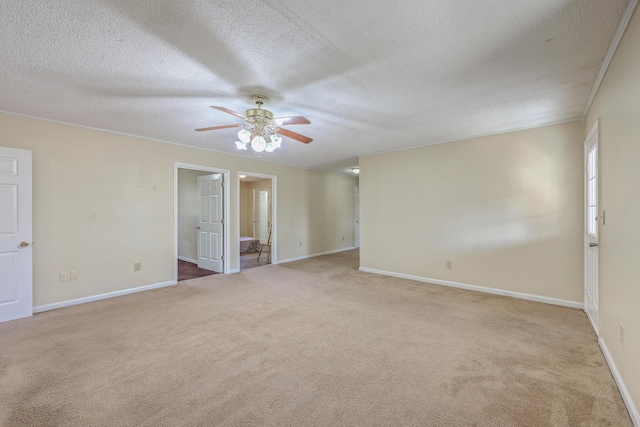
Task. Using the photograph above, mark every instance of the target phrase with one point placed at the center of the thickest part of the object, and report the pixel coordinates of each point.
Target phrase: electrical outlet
(137, 266)
(73, 275)
(621, 334)
(449, 264)
(64, 276)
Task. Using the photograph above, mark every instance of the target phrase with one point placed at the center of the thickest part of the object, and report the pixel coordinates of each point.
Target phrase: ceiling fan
(262, 131)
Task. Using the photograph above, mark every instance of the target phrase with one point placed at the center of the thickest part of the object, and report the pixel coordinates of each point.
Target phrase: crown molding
(624, 23)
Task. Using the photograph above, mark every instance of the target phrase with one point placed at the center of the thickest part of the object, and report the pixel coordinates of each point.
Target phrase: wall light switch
(73, 275)
(137, 266)
(64, 276)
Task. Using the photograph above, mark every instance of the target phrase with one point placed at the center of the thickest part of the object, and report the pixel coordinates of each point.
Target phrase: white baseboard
(282, 261)
(633, 412)
(530, 297)
(235, 270)
(62, 304)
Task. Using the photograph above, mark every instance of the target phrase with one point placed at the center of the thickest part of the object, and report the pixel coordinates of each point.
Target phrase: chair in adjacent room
(266, 247)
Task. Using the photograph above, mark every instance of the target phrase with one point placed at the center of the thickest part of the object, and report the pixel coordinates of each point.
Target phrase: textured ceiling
(370, 76)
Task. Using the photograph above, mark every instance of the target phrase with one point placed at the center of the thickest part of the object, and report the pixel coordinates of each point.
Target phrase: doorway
(201, 205)
(257, 207)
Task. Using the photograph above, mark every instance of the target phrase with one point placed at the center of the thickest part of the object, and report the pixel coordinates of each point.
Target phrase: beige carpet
(309, 343)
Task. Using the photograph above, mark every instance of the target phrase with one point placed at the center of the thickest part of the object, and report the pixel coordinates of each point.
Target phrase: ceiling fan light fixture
(261, 129)
(355, 170)
(244, 135)
(276, 140)
(258, 144)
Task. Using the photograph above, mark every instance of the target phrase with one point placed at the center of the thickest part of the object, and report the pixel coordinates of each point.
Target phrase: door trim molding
(225, 200)
(274, 212)
(593, 132)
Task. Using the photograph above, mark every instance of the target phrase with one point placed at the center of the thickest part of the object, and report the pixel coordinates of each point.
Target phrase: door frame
(274, 212)
(226, 212)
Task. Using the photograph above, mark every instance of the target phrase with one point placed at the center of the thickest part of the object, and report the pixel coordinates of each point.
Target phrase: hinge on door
(222, 258)
(222, 221)
(221, 183)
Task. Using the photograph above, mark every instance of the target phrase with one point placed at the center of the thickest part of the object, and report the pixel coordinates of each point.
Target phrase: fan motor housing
(253, 112)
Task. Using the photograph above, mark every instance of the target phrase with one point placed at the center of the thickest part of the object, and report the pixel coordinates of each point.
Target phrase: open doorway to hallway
(257, 207)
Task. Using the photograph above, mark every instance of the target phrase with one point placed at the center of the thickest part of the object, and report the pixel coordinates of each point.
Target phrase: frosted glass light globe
(276, 140)
(244, 135)
(259, 144)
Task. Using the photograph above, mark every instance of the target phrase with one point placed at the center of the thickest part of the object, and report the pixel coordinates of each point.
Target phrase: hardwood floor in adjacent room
(188, 270)
(250, 260)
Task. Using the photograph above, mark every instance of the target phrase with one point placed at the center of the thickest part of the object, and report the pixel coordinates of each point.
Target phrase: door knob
(24, 244)
(592, 245)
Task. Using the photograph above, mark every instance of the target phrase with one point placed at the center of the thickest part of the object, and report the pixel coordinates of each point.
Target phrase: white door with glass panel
(210, 222)
(15, 234)
(591, 229)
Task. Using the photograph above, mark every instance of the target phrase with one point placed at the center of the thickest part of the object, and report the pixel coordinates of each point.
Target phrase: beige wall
(505, 209)
(104, 201)
(617, 105)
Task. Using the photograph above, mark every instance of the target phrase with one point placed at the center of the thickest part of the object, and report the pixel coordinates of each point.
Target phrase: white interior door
(261, 215)
(591, 292)
(15, 234)
(210, 222)
(357, 217)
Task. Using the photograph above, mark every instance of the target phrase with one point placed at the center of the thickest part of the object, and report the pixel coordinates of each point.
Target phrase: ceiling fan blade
(220, 127)
(226, 110)
(293, 135)
(292, 120)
